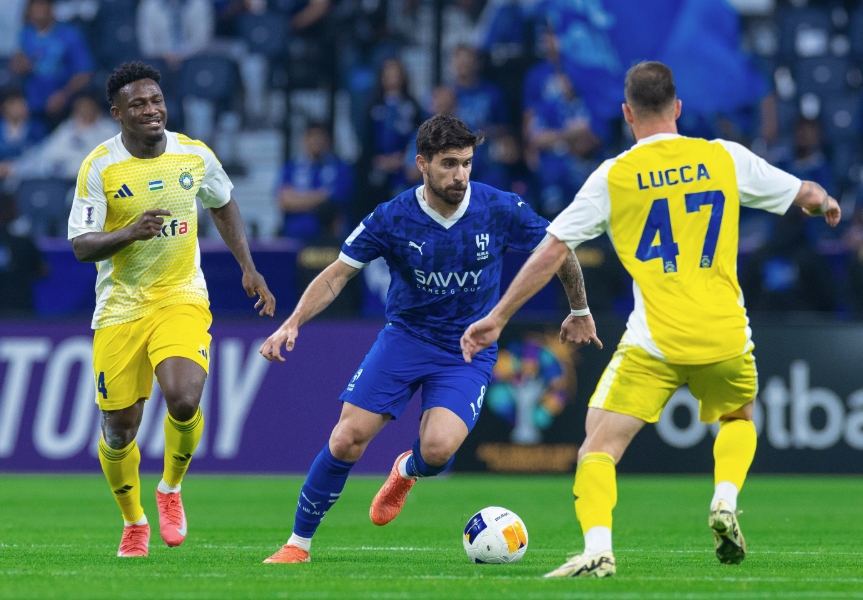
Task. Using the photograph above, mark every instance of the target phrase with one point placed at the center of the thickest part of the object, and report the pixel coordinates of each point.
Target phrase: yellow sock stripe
(600, 457)
(189, 425)
(81, 190)
(115, 455)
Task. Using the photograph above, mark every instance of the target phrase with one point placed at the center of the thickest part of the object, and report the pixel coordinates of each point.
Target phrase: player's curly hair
(442, 133)
(128, 73)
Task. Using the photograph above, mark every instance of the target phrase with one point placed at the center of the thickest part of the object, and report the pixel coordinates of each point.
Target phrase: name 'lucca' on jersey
(112, 191)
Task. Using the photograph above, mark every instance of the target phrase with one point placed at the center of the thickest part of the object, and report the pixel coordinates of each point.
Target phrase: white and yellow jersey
(671, 207)
(113, 189)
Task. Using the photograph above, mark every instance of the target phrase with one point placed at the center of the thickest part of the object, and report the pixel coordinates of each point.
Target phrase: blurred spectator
(559, 129)
(11, 23)
(18, 131)
(307, 13)
(443, 102)
(506, 169)
(174, 30)
(316, 178)
(21, 263)
(53, 59)
(320, 253)
(63, 151)
(787, 274)
(481, 104)
(394, 116)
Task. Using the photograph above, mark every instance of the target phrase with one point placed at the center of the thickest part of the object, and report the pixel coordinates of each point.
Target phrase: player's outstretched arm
(534, 274)
(319, 295)
(229, 222)
(816, 202)
(102, 245)
(580, 330)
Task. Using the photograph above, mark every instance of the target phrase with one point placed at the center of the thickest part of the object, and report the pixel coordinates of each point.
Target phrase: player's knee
(118, 433)
(182, 404)
(347, 444)
(436, 452)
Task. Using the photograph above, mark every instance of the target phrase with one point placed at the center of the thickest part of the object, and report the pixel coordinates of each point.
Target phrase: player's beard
(452, 195)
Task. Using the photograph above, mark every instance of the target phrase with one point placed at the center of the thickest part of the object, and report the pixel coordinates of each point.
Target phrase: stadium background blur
(312, 106)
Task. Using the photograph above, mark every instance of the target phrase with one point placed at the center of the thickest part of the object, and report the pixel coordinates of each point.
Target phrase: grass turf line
(59, 537)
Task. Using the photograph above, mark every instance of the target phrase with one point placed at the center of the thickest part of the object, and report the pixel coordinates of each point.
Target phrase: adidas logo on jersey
(124, 192)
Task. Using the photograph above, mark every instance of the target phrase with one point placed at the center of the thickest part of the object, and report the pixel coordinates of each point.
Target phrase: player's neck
(437, 204)
(144, 148)
(649, 128)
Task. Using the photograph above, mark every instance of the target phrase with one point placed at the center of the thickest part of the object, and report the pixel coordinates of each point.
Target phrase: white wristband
(580, 313)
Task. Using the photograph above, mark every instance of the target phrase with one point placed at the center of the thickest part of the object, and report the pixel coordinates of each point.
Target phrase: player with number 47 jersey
(444, 243)
(670, 205)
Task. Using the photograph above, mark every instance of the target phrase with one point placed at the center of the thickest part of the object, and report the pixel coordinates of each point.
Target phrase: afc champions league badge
(186, 180)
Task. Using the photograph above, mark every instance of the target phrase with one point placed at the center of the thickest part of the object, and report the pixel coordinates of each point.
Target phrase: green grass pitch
(59, 536)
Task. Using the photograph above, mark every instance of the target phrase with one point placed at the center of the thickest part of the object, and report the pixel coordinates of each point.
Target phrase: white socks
(167, 489)
(403, 465)
(597, 540)
(300, 542)
(141, 521)
(725, 490)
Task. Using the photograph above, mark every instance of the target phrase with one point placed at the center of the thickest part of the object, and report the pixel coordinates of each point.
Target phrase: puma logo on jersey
(414, 245)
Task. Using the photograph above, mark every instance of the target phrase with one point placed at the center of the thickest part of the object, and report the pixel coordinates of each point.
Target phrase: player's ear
(678, 105)
(627, 113)
(421, 163)
(115, 113)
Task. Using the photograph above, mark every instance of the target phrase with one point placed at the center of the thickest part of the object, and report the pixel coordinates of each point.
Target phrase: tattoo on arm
(573, 282)
(331, 290)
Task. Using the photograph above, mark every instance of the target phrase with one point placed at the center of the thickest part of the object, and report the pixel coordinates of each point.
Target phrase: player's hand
(479, 336)
(271, 349)
(253, 283)
(580, 331)
(149, 224)
(832, 215)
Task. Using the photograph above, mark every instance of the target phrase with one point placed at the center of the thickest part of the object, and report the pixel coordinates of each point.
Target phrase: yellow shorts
(640, 385)
(126, 355)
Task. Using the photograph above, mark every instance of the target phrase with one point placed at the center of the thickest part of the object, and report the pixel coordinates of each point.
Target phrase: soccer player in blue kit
(444, 243)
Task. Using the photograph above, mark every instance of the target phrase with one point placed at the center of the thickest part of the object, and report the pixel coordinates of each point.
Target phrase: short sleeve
(760, 184)
(588, 215)
(364, 244)
(90, 206)
(527, 229)
(215, 190)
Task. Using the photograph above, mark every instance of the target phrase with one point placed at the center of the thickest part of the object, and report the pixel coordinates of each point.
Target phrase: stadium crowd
(344, 84)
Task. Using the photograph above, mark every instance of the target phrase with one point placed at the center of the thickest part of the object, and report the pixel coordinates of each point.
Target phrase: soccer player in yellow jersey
(135, 216)
(670, 205)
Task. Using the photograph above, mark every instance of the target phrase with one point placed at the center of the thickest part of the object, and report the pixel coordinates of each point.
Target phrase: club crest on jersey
(354, 380)
(186, 180)
(482, 242)
(670, 267)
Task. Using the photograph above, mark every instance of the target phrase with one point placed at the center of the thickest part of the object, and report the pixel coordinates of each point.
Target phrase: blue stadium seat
(117, 39)
(803, 24)
(840, 117)
(824, 76)
(264, 34)
(855, 32)
(46, 203)
(209, 77)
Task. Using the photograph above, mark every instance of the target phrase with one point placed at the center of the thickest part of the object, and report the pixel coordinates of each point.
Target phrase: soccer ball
(495, 535)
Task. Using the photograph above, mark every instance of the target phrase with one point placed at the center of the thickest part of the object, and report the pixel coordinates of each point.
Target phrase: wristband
(580, 313)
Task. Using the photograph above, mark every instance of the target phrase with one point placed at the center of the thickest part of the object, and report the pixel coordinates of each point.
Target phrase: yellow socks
(121, 471)
(595, 493)
(181, 439)
(733, 452)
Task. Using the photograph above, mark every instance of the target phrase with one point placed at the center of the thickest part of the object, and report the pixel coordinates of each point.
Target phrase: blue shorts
(399, 363)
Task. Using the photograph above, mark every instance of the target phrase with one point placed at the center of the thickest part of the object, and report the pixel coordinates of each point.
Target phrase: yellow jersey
(113, 189)
(671, 207)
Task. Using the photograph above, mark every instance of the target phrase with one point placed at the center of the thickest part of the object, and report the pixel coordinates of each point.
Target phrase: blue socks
(323, 486)
(417, 467)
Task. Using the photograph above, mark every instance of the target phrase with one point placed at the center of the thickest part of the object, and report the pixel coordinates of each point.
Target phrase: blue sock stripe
(323, 486)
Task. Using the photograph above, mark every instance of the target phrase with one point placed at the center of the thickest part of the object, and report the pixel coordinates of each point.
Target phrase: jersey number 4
(659, 223)
(100, 385)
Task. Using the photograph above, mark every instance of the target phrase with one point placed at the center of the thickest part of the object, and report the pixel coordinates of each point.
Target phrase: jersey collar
(436, 216)
(123, 154)
(657, 137)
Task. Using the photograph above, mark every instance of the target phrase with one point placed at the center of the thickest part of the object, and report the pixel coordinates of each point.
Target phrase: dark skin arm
(101, 245)
(229, 222)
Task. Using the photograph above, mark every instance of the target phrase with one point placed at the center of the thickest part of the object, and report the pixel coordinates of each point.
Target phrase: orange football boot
(289, 554)
(172, 518)
(391, 498)
(135, 540)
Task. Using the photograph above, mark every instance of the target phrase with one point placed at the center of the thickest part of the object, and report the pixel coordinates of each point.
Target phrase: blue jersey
(445, 273)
